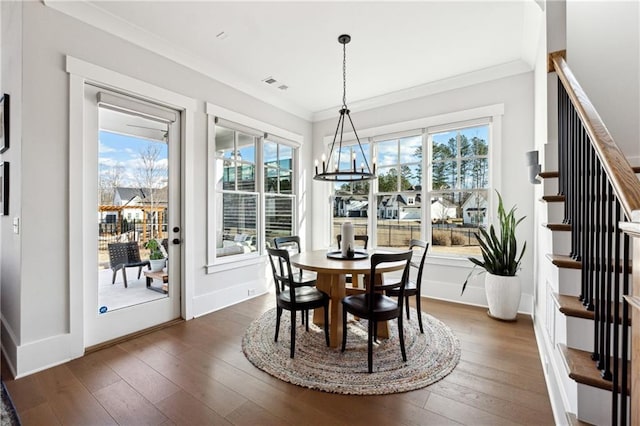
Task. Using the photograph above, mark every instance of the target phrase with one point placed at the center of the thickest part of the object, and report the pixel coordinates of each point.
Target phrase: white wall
(608, 67)
(10, 247)
(39, 313)
(444, 278)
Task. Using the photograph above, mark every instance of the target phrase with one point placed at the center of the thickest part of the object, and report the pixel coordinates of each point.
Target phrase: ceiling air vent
(269, 80)
(283, 87)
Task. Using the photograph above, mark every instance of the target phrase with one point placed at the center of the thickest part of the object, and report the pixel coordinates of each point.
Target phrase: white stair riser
(561, 242)
(550, 186)
(594, 405)
(580, 335)
(566, 281)
(555, 212)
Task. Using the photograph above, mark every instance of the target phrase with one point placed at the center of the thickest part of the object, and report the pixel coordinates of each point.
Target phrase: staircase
(584, 323)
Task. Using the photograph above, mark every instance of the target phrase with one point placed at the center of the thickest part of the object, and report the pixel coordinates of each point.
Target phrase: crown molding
(463, 80)
(99, 18)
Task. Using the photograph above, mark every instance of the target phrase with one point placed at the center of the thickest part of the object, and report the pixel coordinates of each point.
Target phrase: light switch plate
(16, 225)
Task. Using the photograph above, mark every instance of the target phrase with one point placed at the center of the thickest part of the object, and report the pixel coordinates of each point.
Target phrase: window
(237, 198)
(279, 198)
(459, 188)
(447, 166)
(252, 192)
(398, 199)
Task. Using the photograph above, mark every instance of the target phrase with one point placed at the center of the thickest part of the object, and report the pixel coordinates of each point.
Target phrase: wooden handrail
(623, 179)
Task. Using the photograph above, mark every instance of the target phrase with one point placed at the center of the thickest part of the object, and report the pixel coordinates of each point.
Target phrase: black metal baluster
(602, 269)
(563, 140)
(609, 199)
(585, 224)
(616, 313)
(596, 266)
(624, 385)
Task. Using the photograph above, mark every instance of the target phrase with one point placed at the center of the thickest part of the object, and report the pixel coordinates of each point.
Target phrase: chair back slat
(282, 273)
(379, 287)
(425, 247)
(363, 238)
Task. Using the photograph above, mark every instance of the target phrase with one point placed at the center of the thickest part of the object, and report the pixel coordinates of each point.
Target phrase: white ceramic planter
(503, 296)
(157, 264)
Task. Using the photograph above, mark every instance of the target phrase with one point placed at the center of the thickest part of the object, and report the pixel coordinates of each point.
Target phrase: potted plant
(501, 261)
(156, 257)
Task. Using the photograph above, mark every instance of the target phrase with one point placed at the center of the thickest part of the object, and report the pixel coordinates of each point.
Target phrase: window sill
(234, 262)
(444, 260)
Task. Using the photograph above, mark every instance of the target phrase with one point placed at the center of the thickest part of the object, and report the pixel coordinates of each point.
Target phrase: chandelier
(352, 173)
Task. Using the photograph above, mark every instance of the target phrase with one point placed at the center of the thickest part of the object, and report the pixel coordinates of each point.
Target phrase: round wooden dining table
(331, 279)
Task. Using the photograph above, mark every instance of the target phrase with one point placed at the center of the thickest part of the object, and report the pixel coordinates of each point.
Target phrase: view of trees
(459, 163)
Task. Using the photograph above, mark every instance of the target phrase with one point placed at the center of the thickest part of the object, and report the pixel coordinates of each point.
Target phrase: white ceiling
(396, 46)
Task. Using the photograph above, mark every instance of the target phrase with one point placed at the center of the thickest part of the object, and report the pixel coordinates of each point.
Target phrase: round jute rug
(430, 356)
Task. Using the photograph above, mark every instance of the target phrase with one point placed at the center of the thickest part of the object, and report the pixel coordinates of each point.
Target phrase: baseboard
(8, 343)
(46, 353)
(474, 296)
(557, 396)
(214, 301)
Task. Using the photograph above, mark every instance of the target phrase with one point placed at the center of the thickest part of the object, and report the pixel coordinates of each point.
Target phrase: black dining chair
(365, 243)
(293, 296)
(292, 244)
(375, 306)
(413, 287)
(363, 238)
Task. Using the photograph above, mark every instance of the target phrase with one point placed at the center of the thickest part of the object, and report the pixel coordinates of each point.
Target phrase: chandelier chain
(344, 75)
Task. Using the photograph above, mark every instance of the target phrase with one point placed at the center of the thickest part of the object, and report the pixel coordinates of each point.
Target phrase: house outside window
(399, 187)
(351, 199)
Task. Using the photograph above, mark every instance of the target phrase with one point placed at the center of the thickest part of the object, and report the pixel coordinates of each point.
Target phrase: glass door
(135, 146)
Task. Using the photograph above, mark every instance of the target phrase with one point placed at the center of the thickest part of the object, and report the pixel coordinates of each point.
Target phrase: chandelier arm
(335, 136)
(341, 133)
(364, 157)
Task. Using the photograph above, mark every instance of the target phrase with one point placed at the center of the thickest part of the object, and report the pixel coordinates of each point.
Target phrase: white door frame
(82, 212)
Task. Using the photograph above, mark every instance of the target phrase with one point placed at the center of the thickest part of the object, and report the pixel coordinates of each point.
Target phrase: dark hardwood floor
(194, 373)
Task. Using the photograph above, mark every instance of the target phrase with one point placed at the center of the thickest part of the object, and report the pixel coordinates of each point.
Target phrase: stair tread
(583, 369)
(564, 261)
(553, 198)
(571, 306)
(549, 174)
(557, 226)
(555, 173)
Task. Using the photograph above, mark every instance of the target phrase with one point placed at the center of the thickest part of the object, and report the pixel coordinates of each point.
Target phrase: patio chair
(125, 255)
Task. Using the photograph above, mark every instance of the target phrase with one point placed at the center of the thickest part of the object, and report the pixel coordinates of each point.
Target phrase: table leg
(334, 286)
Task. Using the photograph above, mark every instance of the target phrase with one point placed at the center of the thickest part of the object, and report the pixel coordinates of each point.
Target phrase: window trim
(268, 131)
